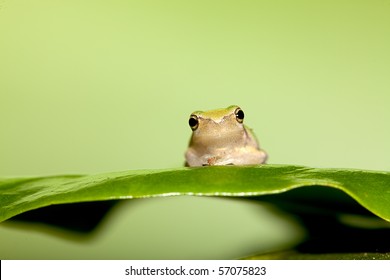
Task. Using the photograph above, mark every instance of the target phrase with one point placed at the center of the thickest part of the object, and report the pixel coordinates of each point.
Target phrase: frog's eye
(239, 115)
(193, 122)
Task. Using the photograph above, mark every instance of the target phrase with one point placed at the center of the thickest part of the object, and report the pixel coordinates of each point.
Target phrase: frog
(219, 137)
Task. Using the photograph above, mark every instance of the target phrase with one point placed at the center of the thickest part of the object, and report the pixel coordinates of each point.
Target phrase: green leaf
(371, 189)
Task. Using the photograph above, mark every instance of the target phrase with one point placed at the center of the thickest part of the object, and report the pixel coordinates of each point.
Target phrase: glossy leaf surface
(371, 189)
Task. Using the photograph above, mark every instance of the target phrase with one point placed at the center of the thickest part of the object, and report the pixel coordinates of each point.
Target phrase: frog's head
(217, 124)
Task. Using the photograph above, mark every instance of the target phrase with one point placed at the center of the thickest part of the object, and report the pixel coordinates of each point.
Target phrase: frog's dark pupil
(240, 115)
(193, 122)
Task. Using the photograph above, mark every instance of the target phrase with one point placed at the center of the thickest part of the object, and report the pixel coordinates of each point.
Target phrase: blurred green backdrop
(99, 86)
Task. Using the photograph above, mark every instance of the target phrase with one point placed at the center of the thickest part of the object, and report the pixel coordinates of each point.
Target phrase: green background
(99, 86)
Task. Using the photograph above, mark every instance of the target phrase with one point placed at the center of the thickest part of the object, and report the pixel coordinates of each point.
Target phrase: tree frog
(219, 137)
